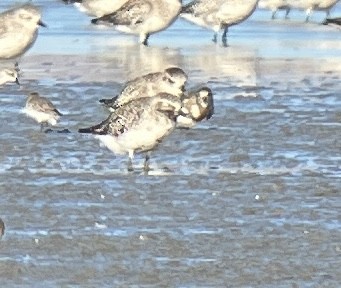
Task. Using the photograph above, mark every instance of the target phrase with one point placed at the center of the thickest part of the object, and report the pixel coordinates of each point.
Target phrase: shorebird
(42, 110)
(97, 8)
(18, 30)
(2, 228)
(172, 80)
(218, 14)
(138, 126)
(196, 106)
(8, 75)
(143, 17)
(274, 6)
(314, 5)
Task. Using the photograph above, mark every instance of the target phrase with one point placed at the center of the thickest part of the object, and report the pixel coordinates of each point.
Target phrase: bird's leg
(130, 161)
(146, 167)
(308, 15)
(215, 37)
(273, 14)
(224, 37)
(327, 14)
(287, 11)
(144, 39)
(16, 66)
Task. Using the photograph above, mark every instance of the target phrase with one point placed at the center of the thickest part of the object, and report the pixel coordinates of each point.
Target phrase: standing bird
(274, 6)
(314, 5)
(218, 14)
(138, 126)
(8, 75)
(143, 17)
(97, 8)
(196, 106)
(172, 81)
(42, 110)
(18, 30)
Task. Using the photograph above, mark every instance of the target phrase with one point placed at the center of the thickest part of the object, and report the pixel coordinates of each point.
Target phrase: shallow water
(250, 198)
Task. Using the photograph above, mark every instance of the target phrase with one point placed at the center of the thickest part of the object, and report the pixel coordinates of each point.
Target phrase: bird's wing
(199, 8)
(131, 13)
(125, 117)
(43, 105)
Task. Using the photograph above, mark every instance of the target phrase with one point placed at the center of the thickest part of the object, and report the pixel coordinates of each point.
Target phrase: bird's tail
(99, 129)
(108, 102)
(86, 130)
(57, 112)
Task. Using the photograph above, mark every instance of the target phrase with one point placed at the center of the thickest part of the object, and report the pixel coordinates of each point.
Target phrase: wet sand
(250, 198)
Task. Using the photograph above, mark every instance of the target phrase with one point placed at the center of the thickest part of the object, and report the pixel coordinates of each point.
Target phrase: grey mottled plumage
(172, 80)
(138, 126)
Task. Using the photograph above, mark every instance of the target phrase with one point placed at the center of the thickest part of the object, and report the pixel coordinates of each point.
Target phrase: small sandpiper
(42, 110)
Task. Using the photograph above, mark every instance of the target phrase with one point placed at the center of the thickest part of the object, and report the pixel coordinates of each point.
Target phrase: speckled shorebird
(8, 75)
(97, 8)
(218, 14)
(196, 106)
(171, 80)
(18, 30)
(143, 17)
(42, 110)
(275, 5)
(138, 126)
(2, 228)
(314, 5)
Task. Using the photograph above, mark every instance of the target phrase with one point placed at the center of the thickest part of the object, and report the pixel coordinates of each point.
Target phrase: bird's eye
(171, 81)
(205, 99)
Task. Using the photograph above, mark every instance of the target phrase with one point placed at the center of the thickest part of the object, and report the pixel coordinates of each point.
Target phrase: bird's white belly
(143, 137)
(40, 116)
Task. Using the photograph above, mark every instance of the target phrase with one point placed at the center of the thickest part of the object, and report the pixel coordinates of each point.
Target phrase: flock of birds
(149, 107)
(146, 111)
(145, 17)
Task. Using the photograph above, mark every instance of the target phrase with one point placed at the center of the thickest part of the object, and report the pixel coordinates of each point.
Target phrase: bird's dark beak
(210, 113)
(183, 89)
(41, 23)
(17, 81)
